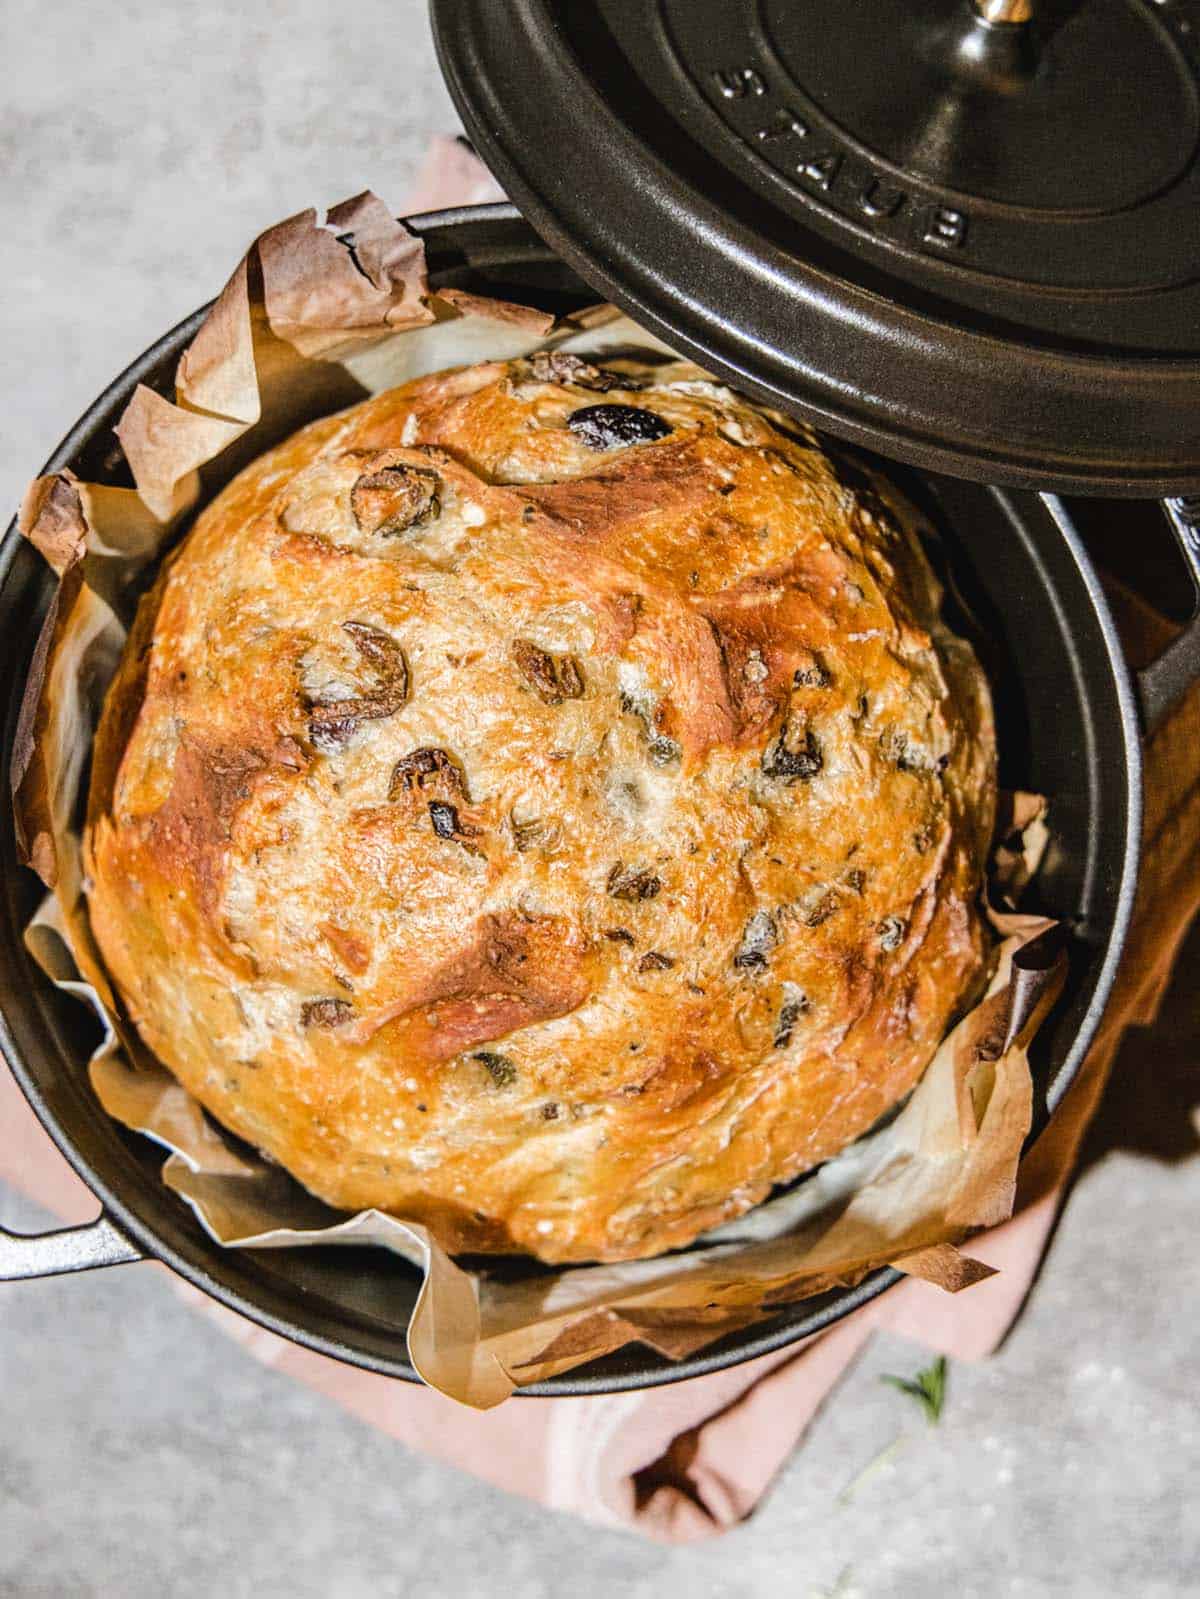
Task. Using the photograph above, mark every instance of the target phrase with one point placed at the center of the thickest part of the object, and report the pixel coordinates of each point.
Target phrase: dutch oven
(948, 233)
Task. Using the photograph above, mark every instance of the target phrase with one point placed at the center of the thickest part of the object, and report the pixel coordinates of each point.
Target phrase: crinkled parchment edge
(346, 297)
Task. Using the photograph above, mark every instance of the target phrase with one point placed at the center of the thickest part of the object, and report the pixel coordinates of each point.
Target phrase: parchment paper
(320, 312)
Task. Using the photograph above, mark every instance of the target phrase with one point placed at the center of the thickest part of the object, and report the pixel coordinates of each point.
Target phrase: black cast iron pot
(1070, 727)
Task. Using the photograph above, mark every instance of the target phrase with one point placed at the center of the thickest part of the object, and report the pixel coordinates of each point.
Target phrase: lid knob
(992, 44)
(1004, 13)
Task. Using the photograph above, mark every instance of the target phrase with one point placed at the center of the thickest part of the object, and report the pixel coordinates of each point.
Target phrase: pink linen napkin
(691, 1459)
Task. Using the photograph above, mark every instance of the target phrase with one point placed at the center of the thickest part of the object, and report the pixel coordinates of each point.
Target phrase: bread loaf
(544, 802)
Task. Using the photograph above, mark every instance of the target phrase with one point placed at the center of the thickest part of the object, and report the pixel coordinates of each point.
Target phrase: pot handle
(97, 1243)
(1163, 683)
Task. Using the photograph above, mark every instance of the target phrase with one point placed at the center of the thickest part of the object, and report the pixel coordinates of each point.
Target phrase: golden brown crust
(557, 828)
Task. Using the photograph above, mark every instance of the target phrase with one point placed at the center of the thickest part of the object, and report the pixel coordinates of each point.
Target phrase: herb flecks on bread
(544, 802)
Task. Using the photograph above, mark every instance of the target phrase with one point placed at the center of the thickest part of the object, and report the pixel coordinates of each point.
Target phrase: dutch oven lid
(965, 233)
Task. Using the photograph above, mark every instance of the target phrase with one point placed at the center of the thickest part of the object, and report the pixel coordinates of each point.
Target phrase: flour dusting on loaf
(543, 802)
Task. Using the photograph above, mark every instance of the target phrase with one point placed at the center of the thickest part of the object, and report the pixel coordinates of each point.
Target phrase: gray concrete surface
(143, 1455)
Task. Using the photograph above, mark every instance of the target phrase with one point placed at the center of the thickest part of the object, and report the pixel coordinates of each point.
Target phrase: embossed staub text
(828, 168)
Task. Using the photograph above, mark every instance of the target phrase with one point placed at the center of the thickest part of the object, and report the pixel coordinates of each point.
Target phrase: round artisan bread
(543, 802)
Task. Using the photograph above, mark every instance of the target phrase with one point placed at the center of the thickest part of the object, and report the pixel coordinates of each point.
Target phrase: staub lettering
(880, 199)
(739, 82)
(945, 228)
(821, 169)
(783, 124)
(814, 158)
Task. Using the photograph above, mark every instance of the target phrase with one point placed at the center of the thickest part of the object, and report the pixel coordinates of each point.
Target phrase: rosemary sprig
(928, 1388)
(877, 1462)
